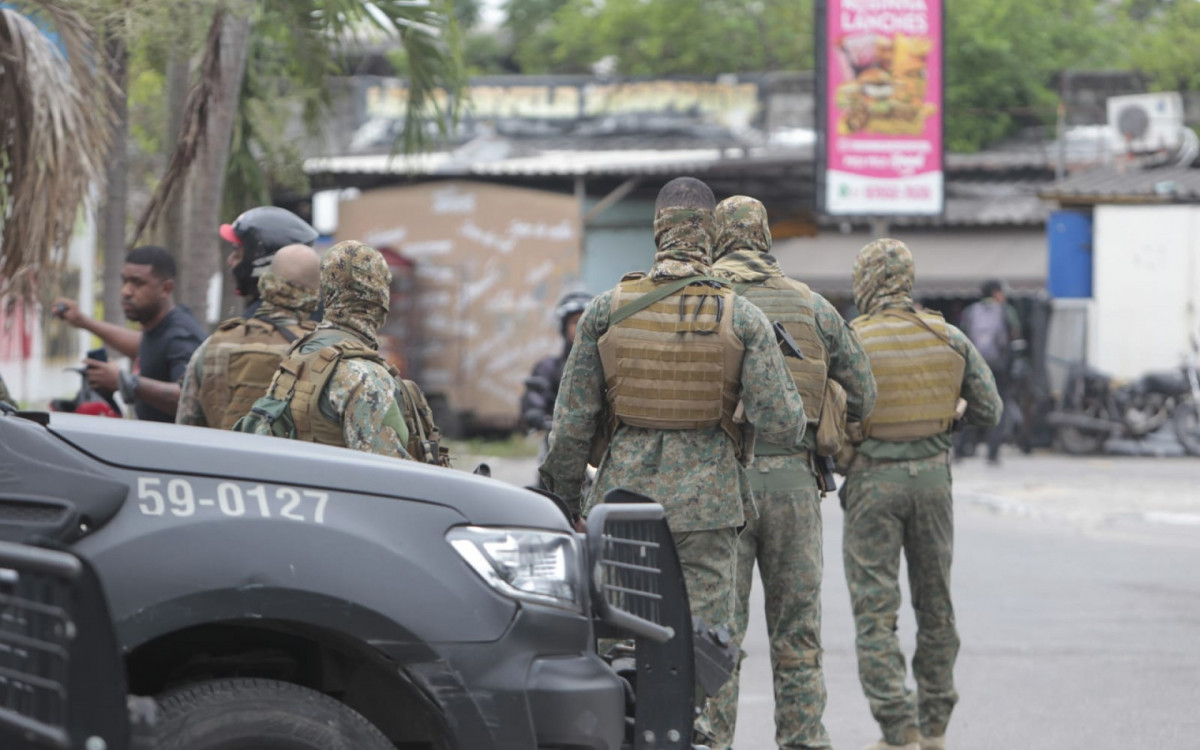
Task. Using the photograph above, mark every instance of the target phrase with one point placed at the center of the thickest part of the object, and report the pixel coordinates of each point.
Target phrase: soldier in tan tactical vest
(897, 495)
(657, 371)
(333, 388)
(233, 368)
(786, 540)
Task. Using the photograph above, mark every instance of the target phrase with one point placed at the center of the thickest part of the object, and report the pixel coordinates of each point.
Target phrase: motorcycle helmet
(260, 232)
(572, 303)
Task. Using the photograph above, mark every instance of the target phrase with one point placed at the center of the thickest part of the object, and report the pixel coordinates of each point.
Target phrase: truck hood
(203, 451)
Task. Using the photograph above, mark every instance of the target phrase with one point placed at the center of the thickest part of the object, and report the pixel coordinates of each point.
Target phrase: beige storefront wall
(490, 261)
(950, 263)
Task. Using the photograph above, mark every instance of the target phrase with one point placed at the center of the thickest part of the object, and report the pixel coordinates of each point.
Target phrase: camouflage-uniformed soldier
(897, 495)
(234, 366)
(663, 380)
(339, 390)
(785, 539)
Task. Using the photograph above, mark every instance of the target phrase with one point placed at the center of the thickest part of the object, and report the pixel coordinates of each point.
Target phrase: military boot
(933, 743)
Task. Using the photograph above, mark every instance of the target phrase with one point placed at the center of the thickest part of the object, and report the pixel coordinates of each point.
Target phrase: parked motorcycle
(1187, 410)
(1096, 407)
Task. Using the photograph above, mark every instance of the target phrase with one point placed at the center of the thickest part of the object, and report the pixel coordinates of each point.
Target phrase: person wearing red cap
(256, 235)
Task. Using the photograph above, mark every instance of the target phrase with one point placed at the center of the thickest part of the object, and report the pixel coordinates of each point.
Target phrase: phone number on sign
(176, 497)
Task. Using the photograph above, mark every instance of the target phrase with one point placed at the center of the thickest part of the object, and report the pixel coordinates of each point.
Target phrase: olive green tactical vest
(790, 302)
(675, 364)
(918, 375)
(240, 359)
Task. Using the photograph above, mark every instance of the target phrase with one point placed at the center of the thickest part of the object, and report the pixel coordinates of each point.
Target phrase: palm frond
(195, 124)
(425, 29)
(55, 121)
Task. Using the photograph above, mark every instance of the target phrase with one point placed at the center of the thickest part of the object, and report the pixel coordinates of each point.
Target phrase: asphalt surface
(1077, 593)
(1074, 636)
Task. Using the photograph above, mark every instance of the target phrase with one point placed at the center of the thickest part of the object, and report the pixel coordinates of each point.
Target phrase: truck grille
(626, 543)
(630, 569)
(36, 630)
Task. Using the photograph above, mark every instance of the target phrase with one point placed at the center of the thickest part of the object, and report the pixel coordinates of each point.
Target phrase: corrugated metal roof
(1108, 184)
(565, 162)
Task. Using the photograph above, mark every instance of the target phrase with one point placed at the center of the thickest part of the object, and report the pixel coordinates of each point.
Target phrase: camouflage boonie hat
(741, 224)
(883, 269)
(356, 286)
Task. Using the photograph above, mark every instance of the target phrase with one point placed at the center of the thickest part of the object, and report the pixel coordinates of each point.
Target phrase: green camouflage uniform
(362, 395)
(694, 474)
(897, 498)
(283, 302)
(786, 539)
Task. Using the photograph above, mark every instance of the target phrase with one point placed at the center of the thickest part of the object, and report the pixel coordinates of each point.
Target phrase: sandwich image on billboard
(881, 107)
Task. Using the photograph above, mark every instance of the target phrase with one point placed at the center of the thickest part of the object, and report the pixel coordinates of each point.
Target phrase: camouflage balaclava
(743, 244)
(683, 237)
(282, 297)
(356, 288)
(883, 276)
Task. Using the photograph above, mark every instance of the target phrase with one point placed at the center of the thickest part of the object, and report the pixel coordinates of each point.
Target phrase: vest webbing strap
(649, 298)
(914, 318)
(288, 336)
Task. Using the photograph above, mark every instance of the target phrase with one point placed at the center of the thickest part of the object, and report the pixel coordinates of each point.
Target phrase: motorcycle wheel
(1186, 418)
(1079, 442)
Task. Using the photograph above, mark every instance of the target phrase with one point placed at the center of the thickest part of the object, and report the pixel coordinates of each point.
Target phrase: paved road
(1071, 639)
(1077, 589)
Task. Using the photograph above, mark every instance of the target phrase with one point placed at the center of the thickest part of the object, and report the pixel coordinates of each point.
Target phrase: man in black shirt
(168, 338)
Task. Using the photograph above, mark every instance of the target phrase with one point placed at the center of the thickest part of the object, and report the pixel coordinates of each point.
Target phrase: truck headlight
(538, 566)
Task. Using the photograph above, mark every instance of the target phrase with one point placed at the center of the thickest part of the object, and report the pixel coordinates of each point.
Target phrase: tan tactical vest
(240, 359)
(918, 374)
(789, 302)
(675, 364)
(302, 378)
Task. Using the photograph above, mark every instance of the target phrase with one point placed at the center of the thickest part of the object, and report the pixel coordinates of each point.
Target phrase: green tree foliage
(1166, 42)
(683, 37)
(1002, 57)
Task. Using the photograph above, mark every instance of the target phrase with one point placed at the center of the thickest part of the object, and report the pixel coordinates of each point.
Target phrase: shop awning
(949, 264)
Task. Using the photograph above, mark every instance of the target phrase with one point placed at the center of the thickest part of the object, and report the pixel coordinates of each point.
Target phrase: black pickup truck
(271, 593)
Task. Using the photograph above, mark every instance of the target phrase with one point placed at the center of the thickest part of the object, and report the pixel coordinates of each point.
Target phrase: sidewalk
(1084, 489)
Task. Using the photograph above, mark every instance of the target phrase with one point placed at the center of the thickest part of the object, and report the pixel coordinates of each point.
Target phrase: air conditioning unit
(1145, 123)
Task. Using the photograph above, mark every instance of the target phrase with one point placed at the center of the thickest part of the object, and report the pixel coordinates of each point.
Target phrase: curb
(1005, 507)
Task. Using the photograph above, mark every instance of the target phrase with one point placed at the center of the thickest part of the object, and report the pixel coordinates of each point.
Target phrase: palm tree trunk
(113, 208)
(202, 258)
(178, 78)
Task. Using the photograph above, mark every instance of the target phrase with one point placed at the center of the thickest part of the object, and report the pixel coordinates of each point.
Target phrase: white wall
(1146, 286)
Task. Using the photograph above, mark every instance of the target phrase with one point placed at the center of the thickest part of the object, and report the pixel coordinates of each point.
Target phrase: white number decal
(322, 498)
(179, 492)
(287, 511)
(229, 497)
(146, 491)
(180, 497)
(260, 493)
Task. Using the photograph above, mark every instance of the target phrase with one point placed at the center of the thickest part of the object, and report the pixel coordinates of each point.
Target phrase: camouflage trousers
(709, 559)
(785, 541)
(894, 506)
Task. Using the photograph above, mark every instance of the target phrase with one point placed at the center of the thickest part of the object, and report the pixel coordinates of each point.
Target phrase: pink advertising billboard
(880, 107)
